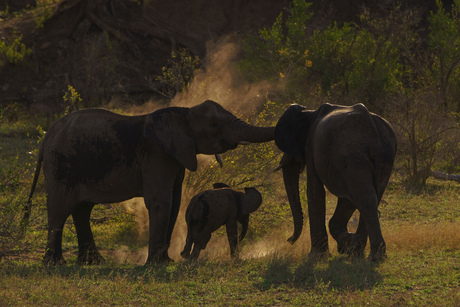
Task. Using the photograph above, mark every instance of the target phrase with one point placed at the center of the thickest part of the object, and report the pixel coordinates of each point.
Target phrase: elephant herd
(94, 156)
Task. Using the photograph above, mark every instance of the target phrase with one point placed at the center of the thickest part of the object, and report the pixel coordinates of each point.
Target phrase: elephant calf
(211, 209)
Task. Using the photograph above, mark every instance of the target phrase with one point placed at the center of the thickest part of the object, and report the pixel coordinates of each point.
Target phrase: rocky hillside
(107, 48)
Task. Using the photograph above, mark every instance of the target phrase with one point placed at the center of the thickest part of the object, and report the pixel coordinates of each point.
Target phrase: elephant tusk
(278, 168)
(219, 160)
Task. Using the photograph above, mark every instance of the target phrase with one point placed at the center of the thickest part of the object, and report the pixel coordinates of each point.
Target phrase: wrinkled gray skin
(95, 156)
(211, 209)
(351, 152)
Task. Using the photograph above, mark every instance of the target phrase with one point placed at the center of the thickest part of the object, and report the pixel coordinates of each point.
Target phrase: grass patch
(406, 278)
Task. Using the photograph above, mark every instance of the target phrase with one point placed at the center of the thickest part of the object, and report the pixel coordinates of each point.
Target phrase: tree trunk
(443, 176)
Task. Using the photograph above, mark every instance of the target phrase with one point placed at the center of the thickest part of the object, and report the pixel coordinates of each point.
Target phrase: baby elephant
(211, 209)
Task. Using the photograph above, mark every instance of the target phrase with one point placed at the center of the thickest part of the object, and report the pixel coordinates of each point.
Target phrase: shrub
(178, 73)
(13, 50)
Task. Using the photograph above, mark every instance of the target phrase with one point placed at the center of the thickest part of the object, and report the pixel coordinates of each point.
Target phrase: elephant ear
(250, 201)
(169, 129)
(290, 131)
(220, 185)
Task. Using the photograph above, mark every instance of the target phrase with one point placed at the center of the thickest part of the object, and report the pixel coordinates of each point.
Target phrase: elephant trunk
(253, 134)
(291, 173)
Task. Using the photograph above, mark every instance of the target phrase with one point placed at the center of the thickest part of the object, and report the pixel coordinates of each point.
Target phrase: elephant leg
(372, 225)
(176, 201)
(87, 251)
(158, 226)
(356, 250)
(162, 199)
(57, 215)
(232, 235)
(316, 197)
(53, 253)
(338, 225)
(201, 240)
(366, 200)
(188, 243)
(244, 220)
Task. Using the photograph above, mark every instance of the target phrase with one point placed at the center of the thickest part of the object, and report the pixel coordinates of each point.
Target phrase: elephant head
(250, 200)
(206, 128)
(290, 136)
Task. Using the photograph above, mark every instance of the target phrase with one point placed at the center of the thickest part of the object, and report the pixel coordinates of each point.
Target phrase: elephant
(211, 209)
(94, 156)
(351, 152)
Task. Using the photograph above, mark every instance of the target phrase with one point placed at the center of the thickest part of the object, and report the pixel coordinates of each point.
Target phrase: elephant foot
(376, 258)
(356, 249)
(316, 256)
(355, 255)
(235, 254)
(90, 258)
(379, 255)
(53, 259)
(165, 261)
(344, 243)
(319, 249)
(160, 258)
(185, 255)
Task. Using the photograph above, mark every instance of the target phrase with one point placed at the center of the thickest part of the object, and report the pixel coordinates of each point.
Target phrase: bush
(412, 80)
(280, 53)
(13, 50)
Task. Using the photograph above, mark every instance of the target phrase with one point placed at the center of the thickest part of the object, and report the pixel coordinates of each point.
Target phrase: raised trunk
(253, 134)
(291, 173)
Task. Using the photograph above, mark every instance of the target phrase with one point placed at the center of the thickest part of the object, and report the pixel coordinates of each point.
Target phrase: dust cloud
(220, 82)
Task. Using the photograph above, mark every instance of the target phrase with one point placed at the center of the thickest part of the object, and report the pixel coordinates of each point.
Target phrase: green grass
(421, 279)
(422, 232)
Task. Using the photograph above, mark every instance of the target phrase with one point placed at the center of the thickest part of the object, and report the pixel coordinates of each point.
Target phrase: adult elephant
(95, 156)
(350, 151)
(211, 209)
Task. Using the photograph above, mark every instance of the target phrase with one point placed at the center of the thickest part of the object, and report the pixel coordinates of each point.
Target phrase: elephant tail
(28, 206)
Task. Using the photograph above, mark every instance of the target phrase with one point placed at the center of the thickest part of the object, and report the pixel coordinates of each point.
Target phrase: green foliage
(444, 42)
(13, 174)
(178, 73)
(383, 63)
(43, 11)
(72, 100)
(280, 52)
(13, 50)
(426, 136)
(11, 112)
(355, 65)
